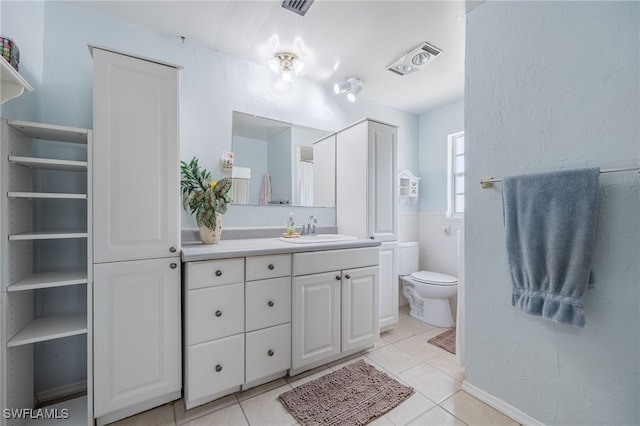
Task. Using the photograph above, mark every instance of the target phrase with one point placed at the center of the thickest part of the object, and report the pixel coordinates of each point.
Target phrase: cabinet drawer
(261, 267)
(215, 312)
(214, 367)
(334, 260)
(268, 351)
(268, 303)
(214, 272)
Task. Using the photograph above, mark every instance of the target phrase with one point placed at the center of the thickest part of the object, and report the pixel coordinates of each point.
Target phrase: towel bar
(488, 182)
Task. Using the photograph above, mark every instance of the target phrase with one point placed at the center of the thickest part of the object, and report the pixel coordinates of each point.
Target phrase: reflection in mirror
(277, 163)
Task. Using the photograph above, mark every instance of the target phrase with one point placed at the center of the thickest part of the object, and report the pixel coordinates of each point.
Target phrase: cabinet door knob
(338, 277)
(372, 237)
(270, 303)
(218, 273)
(173, 265)
(270, 352)
(218, 314)
(218, 368)
(271, 266)
(172, 249)
(348, 276)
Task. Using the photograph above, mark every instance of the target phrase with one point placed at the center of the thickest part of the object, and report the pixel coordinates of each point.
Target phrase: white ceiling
(336, 39)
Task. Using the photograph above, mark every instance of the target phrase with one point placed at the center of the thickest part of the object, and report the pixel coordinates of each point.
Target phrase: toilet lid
(434, 278)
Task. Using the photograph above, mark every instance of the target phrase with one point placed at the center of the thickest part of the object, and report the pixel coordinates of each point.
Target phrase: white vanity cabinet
(136, 234)
(237, 316)
(335, 305)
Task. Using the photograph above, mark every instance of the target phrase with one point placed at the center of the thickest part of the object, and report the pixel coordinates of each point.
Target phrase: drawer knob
(172, 249)
(173, 265)
(271, 266)
(270, 303)
(218, 314)
(348, 276)
(218, 273)
(338, 277)
(270, 352)
(218, 368)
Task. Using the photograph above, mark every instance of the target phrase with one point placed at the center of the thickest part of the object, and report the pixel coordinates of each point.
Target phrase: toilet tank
(408, 257)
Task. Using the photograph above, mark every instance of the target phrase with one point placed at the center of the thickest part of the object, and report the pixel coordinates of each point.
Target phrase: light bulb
(351, 97)
(286, 75)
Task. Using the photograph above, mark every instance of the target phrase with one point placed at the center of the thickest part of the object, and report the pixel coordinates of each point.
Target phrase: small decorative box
(10, 51)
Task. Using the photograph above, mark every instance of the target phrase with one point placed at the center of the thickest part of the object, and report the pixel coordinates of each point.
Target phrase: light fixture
(286, 63)
(411, 61)
(352, 86)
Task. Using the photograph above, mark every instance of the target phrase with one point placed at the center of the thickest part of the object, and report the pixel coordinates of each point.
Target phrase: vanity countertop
(192, 252)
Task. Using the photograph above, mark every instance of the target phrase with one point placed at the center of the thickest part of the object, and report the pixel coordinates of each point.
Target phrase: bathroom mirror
(275, 164)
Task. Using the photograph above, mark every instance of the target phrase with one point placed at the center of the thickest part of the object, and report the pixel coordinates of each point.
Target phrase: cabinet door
(359, 308)
(382, 211)
(351, 181)
(315, 318)
(136, 204)
(388, 296)
(136, 332)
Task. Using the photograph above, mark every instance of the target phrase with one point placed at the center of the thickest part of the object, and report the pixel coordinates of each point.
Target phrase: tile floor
(403, 353)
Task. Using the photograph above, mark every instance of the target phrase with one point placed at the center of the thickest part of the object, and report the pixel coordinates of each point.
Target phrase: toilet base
(434, 312)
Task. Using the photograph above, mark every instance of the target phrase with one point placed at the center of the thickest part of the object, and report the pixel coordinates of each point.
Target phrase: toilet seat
(434, 278)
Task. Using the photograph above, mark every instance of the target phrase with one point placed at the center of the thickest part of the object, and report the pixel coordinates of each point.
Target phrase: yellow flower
(213, 184)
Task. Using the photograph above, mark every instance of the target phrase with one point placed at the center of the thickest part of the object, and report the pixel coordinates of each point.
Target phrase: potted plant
(206, 198)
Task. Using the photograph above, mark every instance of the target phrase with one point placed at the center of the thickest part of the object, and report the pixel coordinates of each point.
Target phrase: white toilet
(428, 292)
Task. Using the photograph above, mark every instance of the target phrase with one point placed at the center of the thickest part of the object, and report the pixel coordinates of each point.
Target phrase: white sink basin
(320, 238)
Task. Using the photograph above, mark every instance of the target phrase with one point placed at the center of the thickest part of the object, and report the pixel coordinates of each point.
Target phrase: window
(455, 175)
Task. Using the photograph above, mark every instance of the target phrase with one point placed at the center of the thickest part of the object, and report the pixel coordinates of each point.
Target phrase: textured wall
(555, 85)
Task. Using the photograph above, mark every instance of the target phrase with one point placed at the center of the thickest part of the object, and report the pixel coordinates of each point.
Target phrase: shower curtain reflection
(304, 183)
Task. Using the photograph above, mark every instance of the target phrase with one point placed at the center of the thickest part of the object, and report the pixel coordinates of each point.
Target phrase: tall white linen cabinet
(366, 199)
(136, 235)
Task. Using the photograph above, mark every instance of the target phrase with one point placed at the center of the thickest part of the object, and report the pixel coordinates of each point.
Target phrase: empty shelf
(49, 163)
(50, 235)
(49, 328)
(49, 279)
(50, 131)
(77, 410)
(52, 195)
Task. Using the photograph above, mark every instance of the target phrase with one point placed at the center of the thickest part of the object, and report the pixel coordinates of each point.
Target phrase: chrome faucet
(310, 230)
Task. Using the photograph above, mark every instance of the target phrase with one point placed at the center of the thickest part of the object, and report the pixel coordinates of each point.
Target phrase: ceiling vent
(413, 60)
(297, 6)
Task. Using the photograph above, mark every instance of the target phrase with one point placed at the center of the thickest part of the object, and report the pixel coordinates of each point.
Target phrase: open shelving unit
(46, 256)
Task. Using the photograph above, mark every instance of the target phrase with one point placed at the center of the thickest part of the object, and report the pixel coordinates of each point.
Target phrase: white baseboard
(506, 409)
(52, 395)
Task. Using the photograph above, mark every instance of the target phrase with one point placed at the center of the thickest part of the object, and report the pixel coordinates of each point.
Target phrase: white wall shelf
(48, 280)
(52, 195)
(50, 132)
(49, 164)
(407, 187)
(13, 84)
(48, 328)
(48, 235)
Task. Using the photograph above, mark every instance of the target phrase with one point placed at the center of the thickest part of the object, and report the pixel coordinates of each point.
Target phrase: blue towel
(550, 224)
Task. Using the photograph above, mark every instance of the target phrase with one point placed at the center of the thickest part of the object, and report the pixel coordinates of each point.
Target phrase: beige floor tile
(412, 407)
(337, 365)
(395, 335)
(403, 310)
(265, 409)
(230, 416)
(446, 362)
(419, 348)
(413, 325)
(393, 359)
(436, 417)
(381, 421)
(250, 393)
(431, 382)
(183, 416)
(160, 416)
(475, 412)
